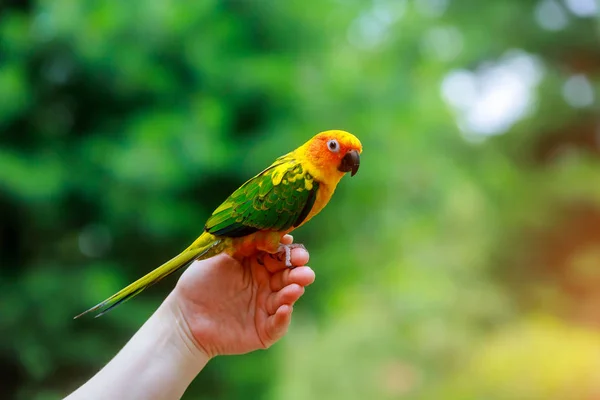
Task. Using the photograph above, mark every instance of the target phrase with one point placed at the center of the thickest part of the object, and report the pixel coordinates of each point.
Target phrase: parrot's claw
(286, 250)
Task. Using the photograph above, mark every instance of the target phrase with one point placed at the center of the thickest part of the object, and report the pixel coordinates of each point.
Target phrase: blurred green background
(462, 262)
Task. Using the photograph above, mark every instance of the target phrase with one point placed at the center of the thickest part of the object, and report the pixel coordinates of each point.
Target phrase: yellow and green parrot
(255, 217)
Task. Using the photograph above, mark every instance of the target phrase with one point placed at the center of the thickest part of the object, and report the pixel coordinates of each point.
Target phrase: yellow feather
(205, 246)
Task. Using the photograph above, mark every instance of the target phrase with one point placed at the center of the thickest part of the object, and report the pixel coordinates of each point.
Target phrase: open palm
(237, 306)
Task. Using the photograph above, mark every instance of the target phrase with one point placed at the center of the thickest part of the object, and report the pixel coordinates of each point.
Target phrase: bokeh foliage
(462, 262)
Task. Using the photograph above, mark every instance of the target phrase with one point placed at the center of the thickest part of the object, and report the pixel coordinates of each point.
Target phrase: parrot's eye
(333, 145)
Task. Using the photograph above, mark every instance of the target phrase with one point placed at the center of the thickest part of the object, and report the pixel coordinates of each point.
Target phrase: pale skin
(220, 306)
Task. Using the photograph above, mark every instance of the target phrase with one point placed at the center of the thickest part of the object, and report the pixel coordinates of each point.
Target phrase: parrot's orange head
(333, 153)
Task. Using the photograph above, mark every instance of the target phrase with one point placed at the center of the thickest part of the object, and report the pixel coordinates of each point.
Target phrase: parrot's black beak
(350, 162)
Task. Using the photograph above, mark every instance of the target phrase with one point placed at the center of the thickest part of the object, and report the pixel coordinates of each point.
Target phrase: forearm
(159, 362)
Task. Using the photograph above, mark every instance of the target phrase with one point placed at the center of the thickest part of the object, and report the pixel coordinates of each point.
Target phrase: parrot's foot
(285, 250)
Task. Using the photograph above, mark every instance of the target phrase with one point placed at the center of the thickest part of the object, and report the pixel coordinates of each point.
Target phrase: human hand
(234, 307)
(219, 306)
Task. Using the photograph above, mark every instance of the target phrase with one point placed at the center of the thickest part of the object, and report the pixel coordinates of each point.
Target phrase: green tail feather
(201, 249)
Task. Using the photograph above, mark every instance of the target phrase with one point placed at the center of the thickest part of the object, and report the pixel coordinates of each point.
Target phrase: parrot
(255, 217)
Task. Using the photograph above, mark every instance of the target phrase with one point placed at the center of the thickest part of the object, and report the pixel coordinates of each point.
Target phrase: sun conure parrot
(278, 200)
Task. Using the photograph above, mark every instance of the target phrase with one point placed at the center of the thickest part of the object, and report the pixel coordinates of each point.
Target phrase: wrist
(182, 341)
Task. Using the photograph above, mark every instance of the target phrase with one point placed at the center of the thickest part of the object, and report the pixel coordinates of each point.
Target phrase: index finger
(287, 239)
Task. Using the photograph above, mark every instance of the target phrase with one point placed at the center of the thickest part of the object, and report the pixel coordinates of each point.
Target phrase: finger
(278, 323)
(302, 276)
(287, 239)
(300, 256)
(288, 295)
(276, 262)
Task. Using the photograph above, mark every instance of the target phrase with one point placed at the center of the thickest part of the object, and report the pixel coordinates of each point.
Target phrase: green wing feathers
(278, 198)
